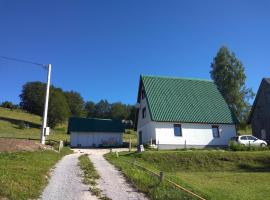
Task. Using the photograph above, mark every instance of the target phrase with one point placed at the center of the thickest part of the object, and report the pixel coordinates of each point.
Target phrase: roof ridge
(173, 77)
(94, 118)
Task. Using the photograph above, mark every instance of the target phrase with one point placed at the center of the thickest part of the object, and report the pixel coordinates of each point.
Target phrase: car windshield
(244, 138)
(251, 138)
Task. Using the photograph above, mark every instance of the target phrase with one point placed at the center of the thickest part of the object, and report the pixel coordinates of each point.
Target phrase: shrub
(22, 125)
(129, 131)
(233, 146)
(7, 104)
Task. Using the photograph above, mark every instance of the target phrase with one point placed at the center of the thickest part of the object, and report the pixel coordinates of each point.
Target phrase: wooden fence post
(60, 145)
(161, 176)
(129, 147)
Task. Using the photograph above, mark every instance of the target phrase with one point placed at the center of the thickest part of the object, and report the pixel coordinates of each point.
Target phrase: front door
(140, 137)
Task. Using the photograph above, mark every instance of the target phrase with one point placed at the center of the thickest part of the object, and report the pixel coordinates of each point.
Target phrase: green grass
(10, 126)
(213, 174)
(130, 134)
(23, 174)
(90, 176)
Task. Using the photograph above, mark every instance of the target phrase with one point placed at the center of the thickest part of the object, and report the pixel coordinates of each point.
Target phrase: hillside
(19, 124)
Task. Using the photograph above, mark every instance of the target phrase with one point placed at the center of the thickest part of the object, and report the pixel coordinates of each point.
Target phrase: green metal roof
(76, 124)
(185, 100)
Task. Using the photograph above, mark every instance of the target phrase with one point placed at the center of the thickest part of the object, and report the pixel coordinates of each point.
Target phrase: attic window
(143, 93)
(215, 131)
(144, 112)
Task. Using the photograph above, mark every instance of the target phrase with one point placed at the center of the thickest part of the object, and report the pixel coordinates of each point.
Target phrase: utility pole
(45, 112)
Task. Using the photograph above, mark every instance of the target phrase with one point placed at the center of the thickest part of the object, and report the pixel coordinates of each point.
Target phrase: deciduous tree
(229, 75)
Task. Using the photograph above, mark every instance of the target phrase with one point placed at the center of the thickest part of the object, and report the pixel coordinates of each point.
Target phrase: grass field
(130, 134)
(23, 174)
(209, 173)
(10, 126)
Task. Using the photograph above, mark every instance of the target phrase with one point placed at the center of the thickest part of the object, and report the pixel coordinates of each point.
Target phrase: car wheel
(263, 145)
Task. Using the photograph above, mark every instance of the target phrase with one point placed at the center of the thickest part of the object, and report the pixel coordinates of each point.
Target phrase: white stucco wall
(145, 124)
(88, 139)
(193, 134)
(199, 135)
(147, 119)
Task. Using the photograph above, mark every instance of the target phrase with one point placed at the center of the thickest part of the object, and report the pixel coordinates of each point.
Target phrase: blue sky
(99, 48)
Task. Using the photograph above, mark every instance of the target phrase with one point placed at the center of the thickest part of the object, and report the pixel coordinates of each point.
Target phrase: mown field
(130, 135)
(213, 174)
(11, 126)
(24, 174)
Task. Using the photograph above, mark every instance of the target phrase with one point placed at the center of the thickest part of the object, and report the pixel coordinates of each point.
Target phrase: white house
(89, 132)
(176, 112)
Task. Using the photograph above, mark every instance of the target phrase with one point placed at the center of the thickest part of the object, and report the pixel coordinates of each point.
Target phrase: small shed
(92, 132)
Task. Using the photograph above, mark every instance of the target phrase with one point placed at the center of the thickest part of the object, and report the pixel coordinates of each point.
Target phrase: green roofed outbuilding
(93, 132)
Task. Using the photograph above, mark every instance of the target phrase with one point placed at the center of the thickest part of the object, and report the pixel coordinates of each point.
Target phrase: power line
(23, 61)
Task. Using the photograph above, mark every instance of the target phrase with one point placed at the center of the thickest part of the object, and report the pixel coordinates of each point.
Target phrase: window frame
(180, 128)
(243, 138)
(218, 133)
(144, 112)
(143, 94)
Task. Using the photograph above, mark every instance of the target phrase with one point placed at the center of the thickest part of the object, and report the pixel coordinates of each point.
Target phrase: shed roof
(185, 100)
(76, 124)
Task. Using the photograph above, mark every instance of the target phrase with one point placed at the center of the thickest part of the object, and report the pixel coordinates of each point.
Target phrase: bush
(7, 104)
(233, 146)
(129, 131)
(23, 125)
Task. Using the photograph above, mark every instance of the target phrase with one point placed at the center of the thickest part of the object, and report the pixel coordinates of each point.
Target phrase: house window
(143, 93)
(215, 131)
(177, 130)
(144, 112)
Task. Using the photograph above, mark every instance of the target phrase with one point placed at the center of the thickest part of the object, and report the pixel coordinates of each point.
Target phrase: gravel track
(66, 182)
(112, 182)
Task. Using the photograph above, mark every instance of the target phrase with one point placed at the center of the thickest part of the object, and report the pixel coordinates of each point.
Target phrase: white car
(249, 140)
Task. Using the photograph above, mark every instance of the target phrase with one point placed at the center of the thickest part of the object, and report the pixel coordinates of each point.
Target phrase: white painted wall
(193, 134)
(145, 124)
(88, 139)
(147, 119)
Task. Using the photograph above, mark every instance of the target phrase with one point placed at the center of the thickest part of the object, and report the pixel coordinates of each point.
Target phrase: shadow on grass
(264, 167)
(17, 122)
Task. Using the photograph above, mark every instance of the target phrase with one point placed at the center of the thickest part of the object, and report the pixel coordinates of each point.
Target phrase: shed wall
(90, 139)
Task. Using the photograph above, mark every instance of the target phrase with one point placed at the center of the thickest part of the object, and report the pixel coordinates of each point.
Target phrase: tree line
(64, 104)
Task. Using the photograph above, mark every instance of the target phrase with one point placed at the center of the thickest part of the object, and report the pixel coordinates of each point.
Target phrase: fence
(162, 177)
